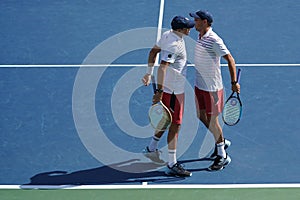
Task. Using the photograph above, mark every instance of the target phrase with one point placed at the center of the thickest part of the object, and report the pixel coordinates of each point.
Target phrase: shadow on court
(107, 175)
(196, 160)
(103, 175)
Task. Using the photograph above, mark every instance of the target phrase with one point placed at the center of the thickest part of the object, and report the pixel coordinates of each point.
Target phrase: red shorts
(211, 102)
(175, 105)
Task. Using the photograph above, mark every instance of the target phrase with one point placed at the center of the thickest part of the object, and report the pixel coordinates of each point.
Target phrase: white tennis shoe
(154, 156)
(215, 153)
(219, 163)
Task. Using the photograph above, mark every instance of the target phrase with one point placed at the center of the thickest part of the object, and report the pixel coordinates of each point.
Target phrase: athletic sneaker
(154, 156)
(177, 170)
(215, 153)
(219, 163)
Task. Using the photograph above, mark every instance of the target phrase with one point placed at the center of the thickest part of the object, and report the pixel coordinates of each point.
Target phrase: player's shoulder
(215, 37)
(168, 35)
(168, 39)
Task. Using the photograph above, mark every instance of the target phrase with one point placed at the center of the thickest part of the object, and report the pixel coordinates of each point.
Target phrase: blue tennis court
(74, 111)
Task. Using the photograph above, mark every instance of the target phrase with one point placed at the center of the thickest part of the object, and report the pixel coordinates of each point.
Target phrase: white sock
(154, 143)
(221, 150)
(172, 157)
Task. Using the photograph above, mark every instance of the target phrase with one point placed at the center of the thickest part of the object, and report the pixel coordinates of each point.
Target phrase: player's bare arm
(235, 86)
(151, 60)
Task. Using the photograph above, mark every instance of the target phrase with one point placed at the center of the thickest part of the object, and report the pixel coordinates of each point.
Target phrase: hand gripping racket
(233, 107)
(159, 115)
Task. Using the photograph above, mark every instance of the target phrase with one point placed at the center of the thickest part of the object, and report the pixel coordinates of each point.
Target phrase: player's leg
(151, 151)
(173, 167)
(172, 143)
(222, 159)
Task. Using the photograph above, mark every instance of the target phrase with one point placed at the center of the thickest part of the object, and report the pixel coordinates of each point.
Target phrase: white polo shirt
(208, 52)
(173, 51)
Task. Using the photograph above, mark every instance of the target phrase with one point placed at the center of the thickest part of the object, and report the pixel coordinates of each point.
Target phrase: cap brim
(194, 15)
(191, 24)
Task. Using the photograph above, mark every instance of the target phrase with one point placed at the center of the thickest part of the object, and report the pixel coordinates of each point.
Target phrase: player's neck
(204, 31)
(179, 34)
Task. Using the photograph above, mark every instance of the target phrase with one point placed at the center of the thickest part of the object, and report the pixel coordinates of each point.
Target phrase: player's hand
(236, 88)
(146, 79)
(157, 97)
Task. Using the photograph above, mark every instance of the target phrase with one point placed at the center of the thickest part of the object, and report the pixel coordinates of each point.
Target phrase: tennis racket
(159, 115)
(233, 107)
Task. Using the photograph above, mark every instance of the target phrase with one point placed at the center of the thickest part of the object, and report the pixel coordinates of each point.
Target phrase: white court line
(160, 19)
(147, 186)
(140, 65)
(159, 26)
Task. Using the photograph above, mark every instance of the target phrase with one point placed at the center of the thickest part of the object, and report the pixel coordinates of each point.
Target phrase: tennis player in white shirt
(170, 89)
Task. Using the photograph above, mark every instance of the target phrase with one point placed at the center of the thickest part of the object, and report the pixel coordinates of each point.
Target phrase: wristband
(150, 70)
(233, 82)
(159, 91)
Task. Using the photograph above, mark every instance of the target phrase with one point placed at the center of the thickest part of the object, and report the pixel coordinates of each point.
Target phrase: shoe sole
(177, 175)
(223, 166)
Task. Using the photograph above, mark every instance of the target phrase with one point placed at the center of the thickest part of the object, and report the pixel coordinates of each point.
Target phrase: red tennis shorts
(175, 103)
(211, 102)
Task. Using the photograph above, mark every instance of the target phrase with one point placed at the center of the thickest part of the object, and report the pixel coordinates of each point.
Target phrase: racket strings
(159, 118)
(231, 112)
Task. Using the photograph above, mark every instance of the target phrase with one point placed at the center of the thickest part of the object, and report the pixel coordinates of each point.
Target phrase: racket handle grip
(153, 83)
(238, 75)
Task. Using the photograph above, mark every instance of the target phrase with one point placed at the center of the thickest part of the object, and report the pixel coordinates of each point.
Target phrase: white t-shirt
(173, 51)
(208, 52)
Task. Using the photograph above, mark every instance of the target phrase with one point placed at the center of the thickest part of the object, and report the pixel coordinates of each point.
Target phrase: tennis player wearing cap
(170, 89)
(208, 84)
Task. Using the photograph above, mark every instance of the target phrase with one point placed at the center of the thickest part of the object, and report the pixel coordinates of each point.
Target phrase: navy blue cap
(180, 22)
(202, 14)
